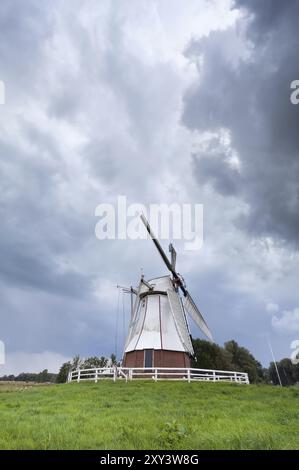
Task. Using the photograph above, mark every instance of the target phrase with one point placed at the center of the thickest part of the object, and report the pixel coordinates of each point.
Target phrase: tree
(296, 372)
(287, 372)
(103, 361)
(113, 360)
(63, 372)
(76, 362)
(266, 375)
(43, 376)
(210, 356)
(94, 362)
(231, 357)
(244, 361)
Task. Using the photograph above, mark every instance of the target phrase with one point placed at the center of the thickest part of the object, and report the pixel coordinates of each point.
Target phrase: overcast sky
(161, 101)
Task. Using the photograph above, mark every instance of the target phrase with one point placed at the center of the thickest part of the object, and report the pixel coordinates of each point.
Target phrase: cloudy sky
(161, 101)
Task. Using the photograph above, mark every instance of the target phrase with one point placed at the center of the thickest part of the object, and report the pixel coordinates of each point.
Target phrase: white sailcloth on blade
(195, 314)
(180, 320)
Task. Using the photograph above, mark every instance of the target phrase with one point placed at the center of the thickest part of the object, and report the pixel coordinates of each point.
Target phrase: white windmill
(158, 334)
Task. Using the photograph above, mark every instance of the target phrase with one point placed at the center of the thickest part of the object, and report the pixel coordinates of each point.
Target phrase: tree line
(89, 363)
(76, 363)
(207, 356)
(237, 358)
(40, 377)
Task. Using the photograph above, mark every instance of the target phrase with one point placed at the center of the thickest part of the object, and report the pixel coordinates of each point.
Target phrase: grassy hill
(147, 415)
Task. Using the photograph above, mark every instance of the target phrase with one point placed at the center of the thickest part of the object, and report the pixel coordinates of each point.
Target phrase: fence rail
(157, 373)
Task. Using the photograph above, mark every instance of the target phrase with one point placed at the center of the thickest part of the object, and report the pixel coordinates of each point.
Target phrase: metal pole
(131, 304)
(276, 368)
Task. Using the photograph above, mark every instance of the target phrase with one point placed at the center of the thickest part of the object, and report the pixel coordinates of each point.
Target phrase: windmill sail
(189, 304)
(180, 320)
(195, 314)
(133, 321)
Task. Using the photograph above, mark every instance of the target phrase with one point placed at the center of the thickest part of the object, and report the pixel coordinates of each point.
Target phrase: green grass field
(148, 415)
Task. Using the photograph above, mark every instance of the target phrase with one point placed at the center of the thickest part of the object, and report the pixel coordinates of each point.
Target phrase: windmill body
(159, 334)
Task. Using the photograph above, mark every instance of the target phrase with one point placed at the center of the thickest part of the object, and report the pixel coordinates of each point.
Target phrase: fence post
(78, 379)
(96, 376)
(156, 375)
(114, 374)
(235, 377)
(189, 376)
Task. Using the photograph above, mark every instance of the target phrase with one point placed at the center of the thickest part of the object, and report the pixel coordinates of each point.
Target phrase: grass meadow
(148, 415)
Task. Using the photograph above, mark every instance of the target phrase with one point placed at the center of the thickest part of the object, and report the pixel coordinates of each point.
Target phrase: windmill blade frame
(156, 242)
(189, 304)
(169, 264)
(180, 320)
(192, 309)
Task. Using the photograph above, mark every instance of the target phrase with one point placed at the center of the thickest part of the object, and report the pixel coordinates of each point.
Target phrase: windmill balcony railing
(157, 373)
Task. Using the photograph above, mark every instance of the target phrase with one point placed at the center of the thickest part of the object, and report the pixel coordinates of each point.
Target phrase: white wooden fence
(157, 373)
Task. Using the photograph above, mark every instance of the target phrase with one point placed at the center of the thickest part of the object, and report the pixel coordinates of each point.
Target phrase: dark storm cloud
(33, 270)
(268, 13)
(213, 166)
(35, 232)
(250, 96)
(217, 173)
